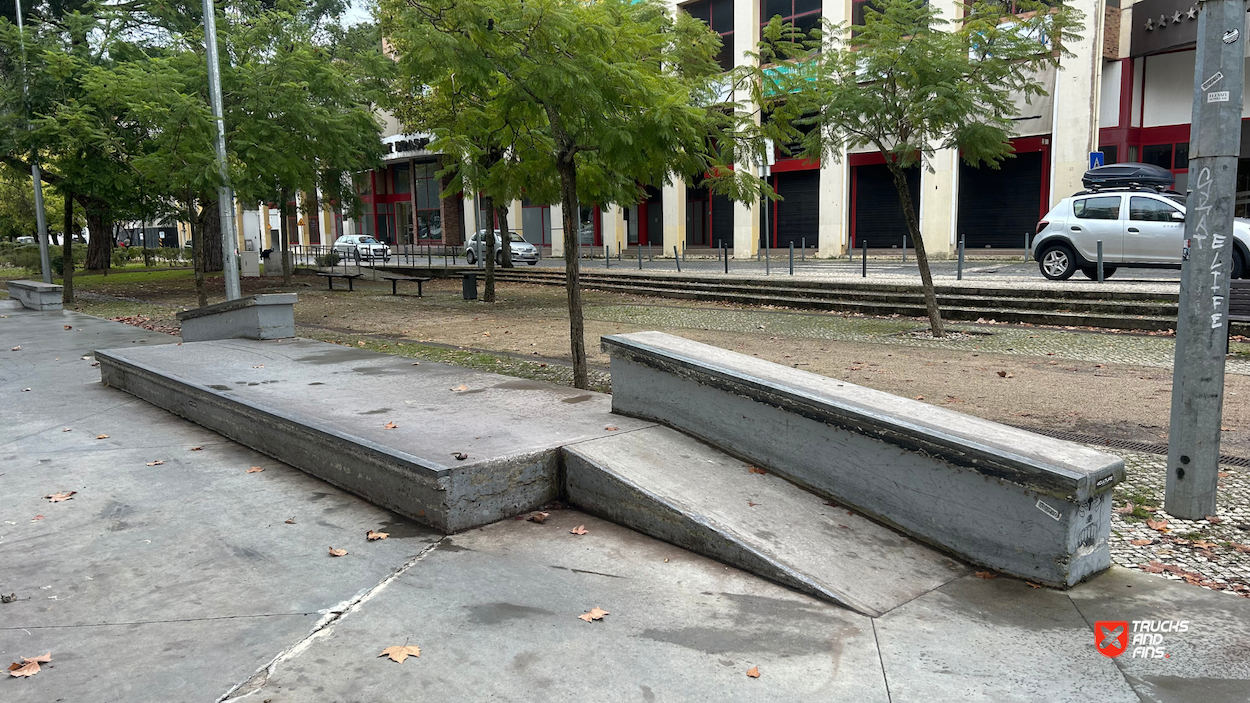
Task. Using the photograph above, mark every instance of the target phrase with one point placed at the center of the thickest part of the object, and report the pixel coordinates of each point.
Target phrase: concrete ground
(194, 580)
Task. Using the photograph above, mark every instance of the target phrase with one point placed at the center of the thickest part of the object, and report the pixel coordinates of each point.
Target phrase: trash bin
(470, 286)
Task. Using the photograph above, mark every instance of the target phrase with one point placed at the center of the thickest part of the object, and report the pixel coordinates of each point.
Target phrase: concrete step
(670, 486)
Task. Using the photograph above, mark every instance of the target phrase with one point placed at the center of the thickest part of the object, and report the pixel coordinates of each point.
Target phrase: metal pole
(41, 221)
(1100, 261)
(766, 262)
(803, 253)
(1206, 262)
(225, 194)
(725, 255)
(607, 256)
(904, 248)
(649, 256)
(791, 258)
(865, 269)
(1026, 247)
(677, 258)
(959, 271)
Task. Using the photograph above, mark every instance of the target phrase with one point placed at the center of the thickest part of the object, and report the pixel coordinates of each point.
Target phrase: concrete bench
(330, 276)
(1027, 505)
(269, 316)
(36, 295)
(396, 279)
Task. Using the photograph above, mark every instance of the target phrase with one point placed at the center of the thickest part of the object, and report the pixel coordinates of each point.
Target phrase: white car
(25, 240)
(522, 251)
(361, 247)
(1139, 228)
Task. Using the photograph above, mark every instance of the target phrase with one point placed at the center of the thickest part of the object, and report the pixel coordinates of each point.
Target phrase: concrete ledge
(36, 295)
(1027, 505)
(269, 316)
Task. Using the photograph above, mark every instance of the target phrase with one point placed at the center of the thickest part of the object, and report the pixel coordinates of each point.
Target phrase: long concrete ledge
(1027, 505)
(269, 316)
(36, 295)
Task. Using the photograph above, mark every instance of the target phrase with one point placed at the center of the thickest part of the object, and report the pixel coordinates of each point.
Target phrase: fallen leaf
(58, 497)
(374, 536)
(595, 613)
(390, 426)
(158, 462)
(986, 575)
(460, 456)
(1002, 374)
(360, 344)
(101, 436)
(756, 470)
(68, 327)
(1153, 567)
(1141, 542)
(751, 505)
(255, 470)
(289, 521)
(399, 654)
(196, 449)
(754, 672)
(460, 387)
(920, 397)
(1149, 508)
(1205, 544)
(610, 428)
(1214, 520)
(1125, 509)
(579, 530)
(1244, 549)
(1034, 585)
(1157, 525)
(539, 518)
(338, 552)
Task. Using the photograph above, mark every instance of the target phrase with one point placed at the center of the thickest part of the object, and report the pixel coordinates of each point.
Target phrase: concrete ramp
(675, 488)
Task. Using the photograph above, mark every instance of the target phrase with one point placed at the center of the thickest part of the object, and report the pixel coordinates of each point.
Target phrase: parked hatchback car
(361, 247)
(1140, 228)
(522, 251)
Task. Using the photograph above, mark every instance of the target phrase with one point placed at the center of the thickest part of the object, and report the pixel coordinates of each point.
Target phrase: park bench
(396, 279)
(331, 275)
(1238, 303)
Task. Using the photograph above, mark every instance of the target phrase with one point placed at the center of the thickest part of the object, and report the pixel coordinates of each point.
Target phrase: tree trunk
(501, 213)
(197, 249)
(284, 237)
(67, 253)
(922, 257)
(489, 248)
(210, 215)
(100, 248)
(567, 171)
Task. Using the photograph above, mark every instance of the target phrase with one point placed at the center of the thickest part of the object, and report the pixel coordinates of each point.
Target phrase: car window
(1149, 210)
(514, 237)
(1105, 207)
(368, 240)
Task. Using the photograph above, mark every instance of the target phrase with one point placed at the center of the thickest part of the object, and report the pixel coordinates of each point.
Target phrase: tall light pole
(225, 194)
(1202, 323)
(41, 221)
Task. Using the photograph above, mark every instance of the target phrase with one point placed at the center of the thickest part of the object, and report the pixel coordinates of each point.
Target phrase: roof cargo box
(1126, 175)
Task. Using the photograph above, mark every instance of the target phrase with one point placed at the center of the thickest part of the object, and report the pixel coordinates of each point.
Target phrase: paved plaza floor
(176, 572)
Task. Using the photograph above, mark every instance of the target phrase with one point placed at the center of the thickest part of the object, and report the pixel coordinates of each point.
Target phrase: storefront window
(429, 221)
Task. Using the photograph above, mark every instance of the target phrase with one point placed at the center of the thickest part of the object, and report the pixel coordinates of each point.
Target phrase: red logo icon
(1111, 636)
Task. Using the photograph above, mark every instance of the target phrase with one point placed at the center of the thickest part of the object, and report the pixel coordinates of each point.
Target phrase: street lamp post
(41, 220)
(225, 194)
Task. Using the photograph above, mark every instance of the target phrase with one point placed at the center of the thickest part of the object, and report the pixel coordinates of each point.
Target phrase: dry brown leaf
(579, 530)
(460, 387)
(101, 436)
(756, 470)
(460, 456)
(29, 666)
(255, 470)
(373, 536)
(751, 504)
(1244, 549)
(1125, 509)
(1153, 567)
(537, 517)
(158, 462)
(1205, 544)
(1034, 585)
(58, 497)
(610, 428)
(595, 613)
(360, 344)
(1150, 508)
(1002, 374)
(754, 672)
(399, 653)
(196, 449)
(1141, 542)
(1213, 519)
(289, 521)
(390, 426)
(986, 575)
(1157, 525)
(338, 552)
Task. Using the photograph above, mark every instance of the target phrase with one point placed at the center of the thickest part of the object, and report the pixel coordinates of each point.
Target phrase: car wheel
(1091, 272)
(469, 258)
(1058, 263)
(1239, 264)
(499, 258)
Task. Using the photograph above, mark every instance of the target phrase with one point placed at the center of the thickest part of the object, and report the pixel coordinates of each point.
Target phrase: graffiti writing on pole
(1218, 239)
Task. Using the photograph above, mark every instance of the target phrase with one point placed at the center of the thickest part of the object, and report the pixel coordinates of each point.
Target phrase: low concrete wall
(269, 316)
(1021, 503)
(36, 295)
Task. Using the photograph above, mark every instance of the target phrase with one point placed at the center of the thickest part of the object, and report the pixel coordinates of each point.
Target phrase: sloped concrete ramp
(670, 486)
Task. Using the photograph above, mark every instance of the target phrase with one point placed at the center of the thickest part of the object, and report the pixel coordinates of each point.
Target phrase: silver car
(1138, 228)
(361, 247)
(522, 251)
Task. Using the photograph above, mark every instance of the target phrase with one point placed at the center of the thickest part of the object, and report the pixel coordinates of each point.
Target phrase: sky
(357, 12)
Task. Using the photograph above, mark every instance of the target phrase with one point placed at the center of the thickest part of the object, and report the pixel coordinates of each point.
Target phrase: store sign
(1161, 25)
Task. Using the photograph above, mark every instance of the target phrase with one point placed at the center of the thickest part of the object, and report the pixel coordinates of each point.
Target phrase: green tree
(605, 96)
(908, 83)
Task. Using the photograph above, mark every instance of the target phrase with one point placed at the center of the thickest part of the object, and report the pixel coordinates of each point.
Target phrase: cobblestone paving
(1057, 344)
(1213, 553)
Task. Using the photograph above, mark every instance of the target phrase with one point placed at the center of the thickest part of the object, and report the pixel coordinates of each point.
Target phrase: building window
(1174, 157)
(719, 15)
(803, 14)
(429, 219)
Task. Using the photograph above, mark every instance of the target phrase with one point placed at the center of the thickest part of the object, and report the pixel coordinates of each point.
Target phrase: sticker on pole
(1231, 36)
(1218, 96)
(1209, 83)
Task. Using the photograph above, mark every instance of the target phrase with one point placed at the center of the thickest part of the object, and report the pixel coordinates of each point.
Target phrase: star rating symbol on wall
(1192, 14)
(1176, 18)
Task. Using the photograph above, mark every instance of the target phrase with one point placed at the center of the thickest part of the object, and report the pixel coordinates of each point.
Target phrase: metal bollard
(1100, 261)
(677, 258)
(649, 257)
(607, 256)
(683, 251)
(959, 272)
(803, 253)
(865, 269)
(766, 262)
(904, 248)
(725, 255)
(791, 258)
(1026, 246)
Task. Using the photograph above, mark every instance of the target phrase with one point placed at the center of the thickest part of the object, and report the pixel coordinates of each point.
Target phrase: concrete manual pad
(676, 488)
(495, 613)
(325, 408)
